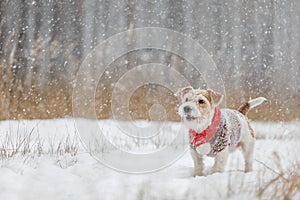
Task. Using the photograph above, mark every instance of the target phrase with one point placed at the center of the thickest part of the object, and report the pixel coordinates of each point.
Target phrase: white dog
(213, 131)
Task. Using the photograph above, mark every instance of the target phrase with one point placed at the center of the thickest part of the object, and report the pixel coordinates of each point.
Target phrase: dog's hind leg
(198, 163)
(248, 150)
(247, 145)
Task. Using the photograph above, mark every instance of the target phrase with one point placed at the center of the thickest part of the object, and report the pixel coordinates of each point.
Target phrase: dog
(213, 131)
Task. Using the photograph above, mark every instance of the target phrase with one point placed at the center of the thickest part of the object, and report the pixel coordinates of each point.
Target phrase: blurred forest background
(255, 45)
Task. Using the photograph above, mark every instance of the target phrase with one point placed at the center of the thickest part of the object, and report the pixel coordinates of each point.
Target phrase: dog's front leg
(221, 160)
(198, 163)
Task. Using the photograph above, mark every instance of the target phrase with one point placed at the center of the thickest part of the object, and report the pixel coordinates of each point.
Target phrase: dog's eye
(186, 99)
(201, 101)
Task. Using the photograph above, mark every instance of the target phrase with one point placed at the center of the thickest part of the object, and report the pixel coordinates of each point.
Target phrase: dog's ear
(182, 91)
(216, 98)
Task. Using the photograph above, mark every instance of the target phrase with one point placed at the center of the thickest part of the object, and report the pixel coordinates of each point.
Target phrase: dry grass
(32, 85)
(20, 144)
(40, 84)
(270, 182)
(284, 185)
(27, 145)
(64, 146)
(35, 101)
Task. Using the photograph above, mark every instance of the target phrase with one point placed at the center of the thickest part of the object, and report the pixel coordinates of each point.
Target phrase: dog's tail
(244, 108)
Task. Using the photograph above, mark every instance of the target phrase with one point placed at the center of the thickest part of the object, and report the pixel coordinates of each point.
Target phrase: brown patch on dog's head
(204, 93)
(202, 98)
(212, 97)
(197, 105)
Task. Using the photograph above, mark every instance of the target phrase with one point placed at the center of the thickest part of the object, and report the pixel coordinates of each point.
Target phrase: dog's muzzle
(188, 111)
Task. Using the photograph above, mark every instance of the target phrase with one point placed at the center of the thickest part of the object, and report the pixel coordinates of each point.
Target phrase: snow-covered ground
(44, 159)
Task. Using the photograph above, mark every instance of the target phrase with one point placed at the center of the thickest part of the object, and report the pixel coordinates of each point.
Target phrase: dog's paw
(199, 174)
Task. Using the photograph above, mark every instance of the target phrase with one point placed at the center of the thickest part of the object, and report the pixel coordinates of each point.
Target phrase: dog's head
(197, 106)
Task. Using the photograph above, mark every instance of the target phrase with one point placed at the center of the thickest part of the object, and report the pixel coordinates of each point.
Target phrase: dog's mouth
(190, 118)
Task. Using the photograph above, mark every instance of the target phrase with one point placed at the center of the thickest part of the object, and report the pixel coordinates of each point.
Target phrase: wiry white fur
(195, 112)
(202, 120)
(247, 141)
(203, 117)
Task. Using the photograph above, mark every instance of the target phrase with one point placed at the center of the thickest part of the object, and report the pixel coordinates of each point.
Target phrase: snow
(80, 176)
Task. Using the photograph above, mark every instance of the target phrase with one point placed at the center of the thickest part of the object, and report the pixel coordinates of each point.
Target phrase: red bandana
(209, 132)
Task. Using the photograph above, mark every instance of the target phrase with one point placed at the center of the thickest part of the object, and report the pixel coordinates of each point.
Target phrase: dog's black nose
(187, 109)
